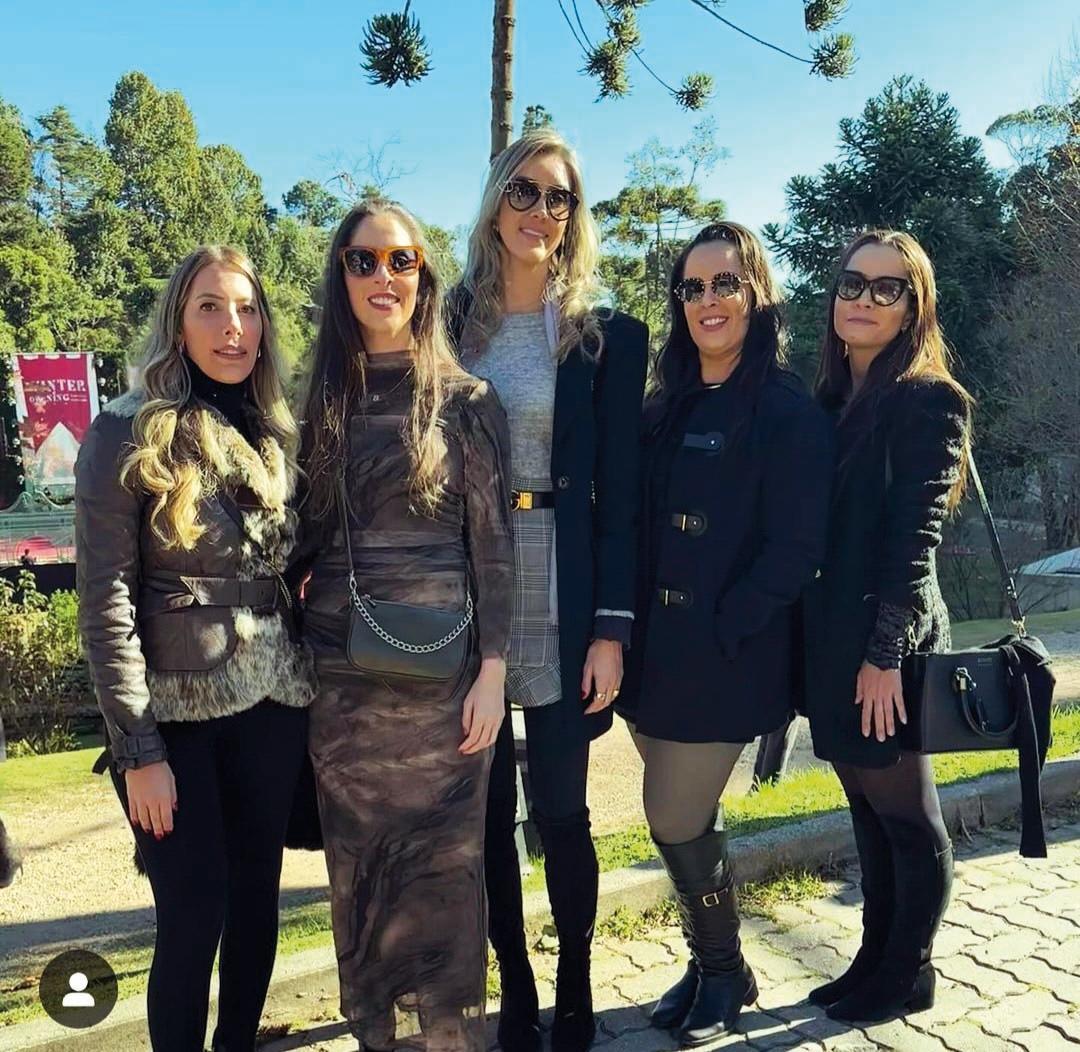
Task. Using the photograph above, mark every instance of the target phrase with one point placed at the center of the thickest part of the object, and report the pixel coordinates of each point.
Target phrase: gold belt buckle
(521, 500)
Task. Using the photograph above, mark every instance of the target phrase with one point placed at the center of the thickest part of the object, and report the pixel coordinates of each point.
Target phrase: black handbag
(997, 696)
(405, 640)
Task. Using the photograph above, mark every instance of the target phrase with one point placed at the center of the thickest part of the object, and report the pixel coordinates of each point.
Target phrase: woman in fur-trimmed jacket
(183, 528)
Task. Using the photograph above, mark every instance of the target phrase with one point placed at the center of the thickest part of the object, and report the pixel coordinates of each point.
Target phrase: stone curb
(810, 844)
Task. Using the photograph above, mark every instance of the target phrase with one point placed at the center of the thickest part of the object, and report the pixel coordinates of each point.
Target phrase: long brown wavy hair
(919, 352)
(574, 281)
(169, 461)
(336, 381)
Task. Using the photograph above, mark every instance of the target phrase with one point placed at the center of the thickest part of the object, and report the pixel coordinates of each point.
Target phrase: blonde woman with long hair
(407, 510)
(903, 434)
(527, 318)
(182, 532)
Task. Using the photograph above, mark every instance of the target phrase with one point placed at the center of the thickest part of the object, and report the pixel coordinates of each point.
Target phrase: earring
(845, 350)
(258, 354)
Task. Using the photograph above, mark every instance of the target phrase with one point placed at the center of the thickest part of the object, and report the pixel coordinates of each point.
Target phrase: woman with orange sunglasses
(408, 603)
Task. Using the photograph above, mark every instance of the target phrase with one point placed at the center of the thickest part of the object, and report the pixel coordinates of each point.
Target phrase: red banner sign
(56, 398)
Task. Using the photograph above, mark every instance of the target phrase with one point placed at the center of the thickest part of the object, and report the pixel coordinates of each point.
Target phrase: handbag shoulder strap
(343, 511)
(1008, 584)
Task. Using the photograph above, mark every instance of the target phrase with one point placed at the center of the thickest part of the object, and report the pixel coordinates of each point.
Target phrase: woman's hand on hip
(485, 707)
(151, 792)
(603, 674)
(880, 692)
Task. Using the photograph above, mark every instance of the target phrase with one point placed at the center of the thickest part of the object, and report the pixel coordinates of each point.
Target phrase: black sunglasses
(884, 291)
(522, 194)
(724, 285)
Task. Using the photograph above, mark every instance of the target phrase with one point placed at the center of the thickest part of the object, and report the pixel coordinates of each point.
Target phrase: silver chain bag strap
(401, 639)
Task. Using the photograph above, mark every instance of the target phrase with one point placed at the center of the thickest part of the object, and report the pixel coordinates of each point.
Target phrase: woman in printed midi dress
(402, 767)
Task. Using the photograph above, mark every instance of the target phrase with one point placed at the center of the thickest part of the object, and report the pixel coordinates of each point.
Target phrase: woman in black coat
(736, 470)
(571, 377)
(902, 436)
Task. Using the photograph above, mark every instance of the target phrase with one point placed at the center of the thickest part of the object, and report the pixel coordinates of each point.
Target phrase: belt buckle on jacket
(521, 500)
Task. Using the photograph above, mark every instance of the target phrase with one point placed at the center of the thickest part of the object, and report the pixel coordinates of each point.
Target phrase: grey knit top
(519, 364)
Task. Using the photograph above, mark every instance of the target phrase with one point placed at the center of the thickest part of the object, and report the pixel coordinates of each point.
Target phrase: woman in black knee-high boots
(735, 480)
(902, 435)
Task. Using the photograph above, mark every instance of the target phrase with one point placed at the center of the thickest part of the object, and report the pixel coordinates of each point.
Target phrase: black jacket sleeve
(108, 517)
(794, 508)
(926, 446)
(618, 395)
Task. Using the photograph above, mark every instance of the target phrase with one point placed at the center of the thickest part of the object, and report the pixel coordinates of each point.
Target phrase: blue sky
(282, 82)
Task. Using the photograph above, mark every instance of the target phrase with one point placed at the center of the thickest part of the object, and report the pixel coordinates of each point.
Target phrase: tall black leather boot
(905, 980)
(705, 891)
(875, 862)
(519, 1009)
(572, 883)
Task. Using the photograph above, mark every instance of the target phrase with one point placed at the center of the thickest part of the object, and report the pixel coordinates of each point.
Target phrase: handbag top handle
(1008, 584)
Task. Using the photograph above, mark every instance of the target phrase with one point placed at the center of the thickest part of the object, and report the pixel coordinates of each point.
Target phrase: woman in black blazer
(571, 377)
(902, 436)
(734, 498)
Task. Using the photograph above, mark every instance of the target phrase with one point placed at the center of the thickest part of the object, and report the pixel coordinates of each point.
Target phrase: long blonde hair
(574, 283)
(336, 381)
(169, 461)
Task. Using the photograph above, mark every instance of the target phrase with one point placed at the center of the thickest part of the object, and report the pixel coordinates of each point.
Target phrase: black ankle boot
(572, 882)
(875, 862)
(905, 981)
(705, 890)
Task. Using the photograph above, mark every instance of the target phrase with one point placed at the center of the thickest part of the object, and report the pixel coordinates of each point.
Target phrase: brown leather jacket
(177, 634)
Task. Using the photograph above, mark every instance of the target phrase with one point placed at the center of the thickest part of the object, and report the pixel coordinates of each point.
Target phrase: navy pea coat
(735, 494)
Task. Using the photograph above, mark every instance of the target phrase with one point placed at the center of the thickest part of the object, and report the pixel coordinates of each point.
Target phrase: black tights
(683, 784)
(215, 876)
(905, 791)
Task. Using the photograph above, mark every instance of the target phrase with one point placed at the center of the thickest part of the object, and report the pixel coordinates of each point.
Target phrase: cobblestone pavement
(1008, 956)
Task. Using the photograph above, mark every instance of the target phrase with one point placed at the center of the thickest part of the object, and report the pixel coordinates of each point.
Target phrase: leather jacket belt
(673, 597)
(260, 593)
(689, 523)
(525, 500)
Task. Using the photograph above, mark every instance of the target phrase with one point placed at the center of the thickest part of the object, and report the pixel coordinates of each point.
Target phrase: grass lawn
(805, 794)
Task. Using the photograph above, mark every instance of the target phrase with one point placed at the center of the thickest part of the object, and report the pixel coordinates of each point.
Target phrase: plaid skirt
(533, 676)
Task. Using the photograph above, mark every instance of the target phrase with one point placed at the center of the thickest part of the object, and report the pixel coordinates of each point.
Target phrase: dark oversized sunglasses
(724, 285)
(363, 262)
(522, 194)
(884, 291)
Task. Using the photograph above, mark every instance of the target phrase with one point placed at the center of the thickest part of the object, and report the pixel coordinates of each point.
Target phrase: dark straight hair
(677, 366)
(917, 352)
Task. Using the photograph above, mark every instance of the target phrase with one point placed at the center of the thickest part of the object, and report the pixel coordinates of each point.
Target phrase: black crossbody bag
(997, 696)
(402, 639)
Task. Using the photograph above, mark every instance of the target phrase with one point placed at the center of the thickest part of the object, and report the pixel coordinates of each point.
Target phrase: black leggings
(905, 791)
(215, 877)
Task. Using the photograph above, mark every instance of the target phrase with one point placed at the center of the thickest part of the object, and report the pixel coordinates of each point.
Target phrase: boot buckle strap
(712, 899)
